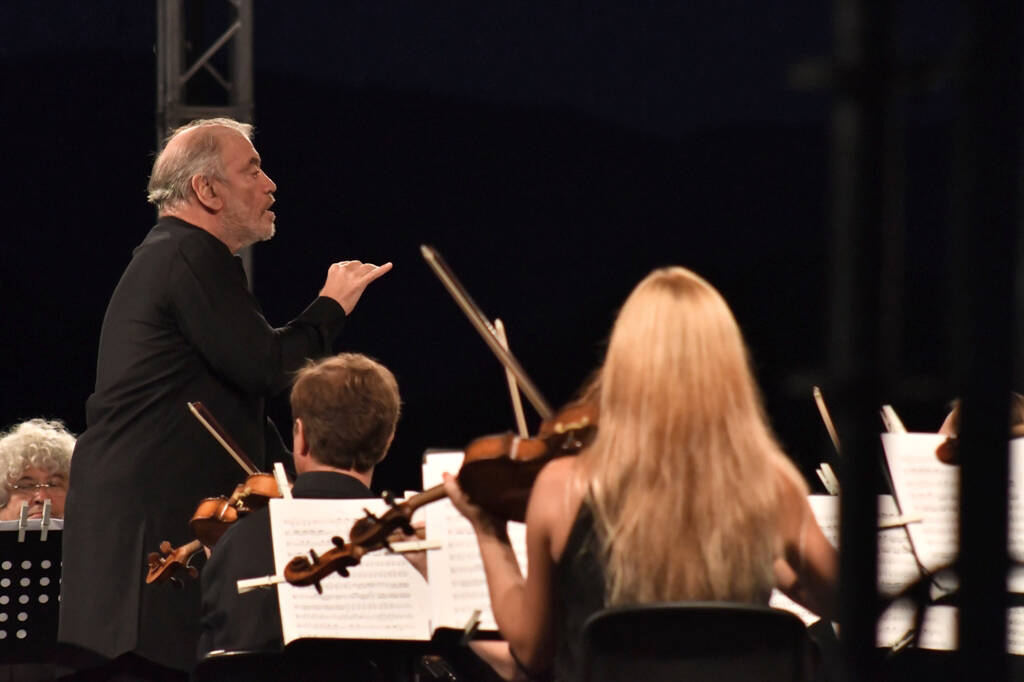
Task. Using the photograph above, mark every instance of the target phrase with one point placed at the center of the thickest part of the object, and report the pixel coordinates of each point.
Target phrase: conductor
(181, 326)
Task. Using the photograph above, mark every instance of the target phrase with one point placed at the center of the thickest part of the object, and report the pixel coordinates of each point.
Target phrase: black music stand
(29, 590)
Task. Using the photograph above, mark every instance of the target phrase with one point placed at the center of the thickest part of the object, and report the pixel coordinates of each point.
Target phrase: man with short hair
(181, 326)
(345, 409)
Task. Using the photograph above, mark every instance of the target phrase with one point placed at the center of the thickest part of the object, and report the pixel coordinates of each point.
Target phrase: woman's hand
(482, 522)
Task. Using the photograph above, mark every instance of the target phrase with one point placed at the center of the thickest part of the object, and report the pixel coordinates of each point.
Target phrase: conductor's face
(246, 190)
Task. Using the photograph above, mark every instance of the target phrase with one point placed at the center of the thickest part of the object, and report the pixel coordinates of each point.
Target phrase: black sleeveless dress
(579, 591)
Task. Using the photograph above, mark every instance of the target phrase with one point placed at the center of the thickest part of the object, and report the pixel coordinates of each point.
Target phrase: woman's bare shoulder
(555, 500)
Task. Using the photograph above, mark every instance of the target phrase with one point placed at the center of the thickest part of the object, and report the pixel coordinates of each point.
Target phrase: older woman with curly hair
(35, 458)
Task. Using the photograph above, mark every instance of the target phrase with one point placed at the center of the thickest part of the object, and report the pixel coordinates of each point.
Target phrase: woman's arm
(522, 606)
(808, 569)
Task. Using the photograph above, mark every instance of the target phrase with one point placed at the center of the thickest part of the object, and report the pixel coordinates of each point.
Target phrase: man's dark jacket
(181, 326)
(252, 621)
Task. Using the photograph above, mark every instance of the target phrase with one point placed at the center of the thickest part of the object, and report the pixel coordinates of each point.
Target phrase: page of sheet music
(931, 489)
(384, 597)
(927, 488)
(939, 628)
(1016, 487)
(458, 585)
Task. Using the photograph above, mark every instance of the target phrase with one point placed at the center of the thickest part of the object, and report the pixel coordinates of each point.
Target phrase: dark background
(553, 152)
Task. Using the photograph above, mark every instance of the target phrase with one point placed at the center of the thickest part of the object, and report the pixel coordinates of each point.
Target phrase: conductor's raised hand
(347, 280)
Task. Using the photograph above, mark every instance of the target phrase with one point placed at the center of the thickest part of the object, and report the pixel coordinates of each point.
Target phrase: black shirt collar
(329, 484)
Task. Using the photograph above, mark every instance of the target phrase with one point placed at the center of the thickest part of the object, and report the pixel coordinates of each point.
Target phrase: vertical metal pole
(172, 77)
(170, 52)
(242, 63)
(241, 95)
(987, 215)
(858, 358)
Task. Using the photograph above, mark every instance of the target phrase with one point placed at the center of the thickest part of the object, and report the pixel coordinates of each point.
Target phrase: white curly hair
(41, 443)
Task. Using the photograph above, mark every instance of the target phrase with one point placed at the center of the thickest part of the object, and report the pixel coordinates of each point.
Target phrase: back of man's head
(349, 406)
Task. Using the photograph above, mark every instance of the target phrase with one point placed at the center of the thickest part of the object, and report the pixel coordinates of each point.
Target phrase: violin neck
(426, 497)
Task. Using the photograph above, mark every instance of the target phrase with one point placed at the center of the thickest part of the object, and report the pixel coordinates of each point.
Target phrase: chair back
(695, 642)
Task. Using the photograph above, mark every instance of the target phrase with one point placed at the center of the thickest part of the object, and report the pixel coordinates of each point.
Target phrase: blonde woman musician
(684, 494)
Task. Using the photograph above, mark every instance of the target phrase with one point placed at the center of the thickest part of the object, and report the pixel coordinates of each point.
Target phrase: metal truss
(216, 82)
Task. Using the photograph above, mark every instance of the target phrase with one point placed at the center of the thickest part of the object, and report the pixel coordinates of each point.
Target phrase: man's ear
(300, 446)
(206, 193)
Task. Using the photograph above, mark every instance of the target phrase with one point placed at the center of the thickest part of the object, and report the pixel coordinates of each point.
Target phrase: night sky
(553, 152)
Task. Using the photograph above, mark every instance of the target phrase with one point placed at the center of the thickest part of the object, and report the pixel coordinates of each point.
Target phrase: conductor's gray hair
(170, 183)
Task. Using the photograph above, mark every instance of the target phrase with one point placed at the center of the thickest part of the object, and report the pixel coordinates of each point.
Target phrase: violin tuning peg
(338, 542)
(369, 514)
(408, 529)
(342, 571)
(319, 590)
(389, 497)
(313, 554)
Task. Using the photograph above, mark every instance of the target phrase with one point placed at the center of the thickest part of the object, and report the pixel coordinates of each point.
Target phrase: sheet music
(1015, 630)
(939, 628)
(897, 567)
(458, 584)
(931, 489)
(1016, 541)
(384, 597)
(927, 488)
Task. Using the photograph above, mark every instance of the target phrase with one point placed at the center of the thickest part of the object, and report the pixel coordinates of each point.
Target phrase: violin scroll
(300, 571)
(170, 562)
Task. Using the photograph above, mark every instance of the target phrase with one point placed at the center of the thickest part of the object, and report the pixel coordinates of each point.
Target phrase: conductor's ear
(206, 193)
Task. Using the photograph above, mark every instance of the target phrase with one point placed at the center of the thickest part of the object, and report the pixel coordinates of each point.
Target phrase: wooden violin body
(498, 471)
(214, 515)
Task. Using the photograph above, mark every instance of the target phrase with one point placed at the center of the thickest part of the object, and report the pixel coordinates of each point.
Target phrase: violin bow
(513, 387)
(819, 400)
(217, 431)
(486, 329)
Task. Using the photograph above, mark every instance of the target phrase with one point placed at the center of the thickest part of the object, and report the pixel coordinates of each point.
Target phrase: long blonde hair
(683, 473)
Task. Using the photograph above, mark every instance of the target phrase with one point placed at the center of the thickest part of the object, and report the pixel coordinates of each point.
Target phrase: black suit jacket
(181, 326)
(252, 621)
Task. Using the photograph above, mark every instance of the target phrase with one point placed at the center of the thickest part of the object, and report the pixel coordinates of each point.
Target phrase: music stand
(30, 551)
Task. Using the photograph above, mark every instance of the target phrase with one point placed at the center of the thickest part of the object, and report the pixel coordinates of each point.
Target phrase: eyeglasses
(29, 487)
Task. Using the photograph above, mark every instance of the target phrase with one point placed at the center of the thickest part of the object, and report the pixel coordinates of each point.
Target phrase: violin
(497, 474)
(213, 515)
